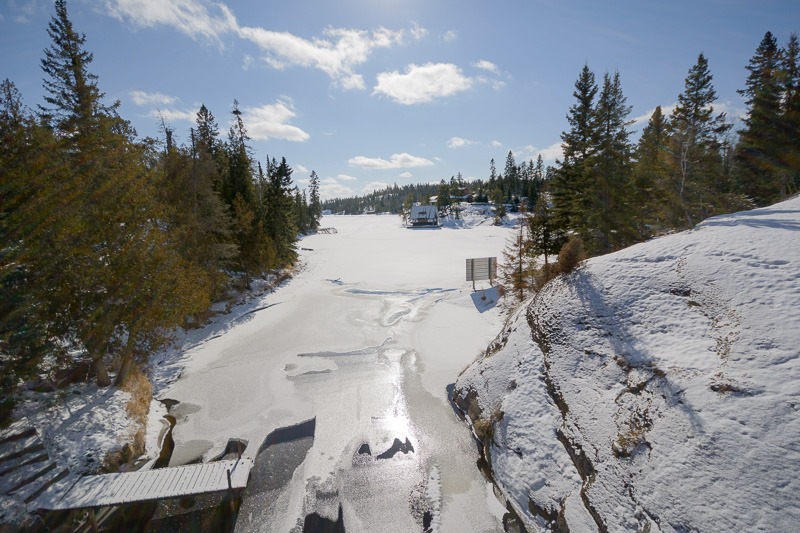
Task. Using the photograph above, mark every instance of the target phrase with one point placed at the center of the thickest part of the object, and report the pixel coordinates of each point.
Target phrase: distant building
(424, 215)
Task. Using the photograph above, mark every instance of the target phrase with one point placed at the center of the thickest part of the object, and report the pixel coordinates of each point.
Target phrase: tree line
(607, 192)
(108, 241)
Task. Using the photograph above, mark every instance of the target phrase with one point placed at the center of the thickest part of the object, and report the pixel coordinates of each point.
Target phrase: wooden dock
(104, 490)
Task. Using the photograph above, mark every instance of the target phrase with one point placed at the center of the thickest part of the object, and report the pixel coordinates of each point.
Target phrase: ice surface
(366, 338)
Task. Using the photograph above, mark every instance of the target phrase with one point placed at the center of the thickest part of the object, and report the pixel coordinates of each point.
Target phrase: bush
(570, 256)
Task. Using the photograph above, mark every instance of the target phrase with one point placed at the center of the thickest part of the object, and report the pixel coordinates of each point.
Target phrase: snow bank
(80, 424)
(661, 387)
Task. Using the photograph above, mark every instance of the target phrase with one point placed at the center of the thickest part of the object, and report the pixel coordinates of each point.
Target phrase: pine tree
(239, 180)
(443, 198)
(279, 217)
(74, 100)
(104, 273)
(789, 138)
(516, 269)
(651, 175)
(611, 216)
(26, 156)
(511, 174)
(544, 238)
(759, 151)
(314, 205)
(698, 181)
(571, 187)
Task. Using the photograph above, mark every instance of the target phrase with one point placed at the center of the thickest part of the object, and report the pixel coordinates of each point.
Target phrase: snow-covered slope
(656, 388)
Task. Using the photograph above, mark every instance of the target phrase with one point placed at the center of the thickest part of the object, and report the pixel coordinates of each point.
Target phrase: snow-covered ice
(365, 338)
(661, 391)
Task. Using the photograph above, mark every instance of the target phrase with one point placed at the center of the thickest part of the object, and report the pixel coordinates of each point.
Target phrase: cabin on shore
(424, 215)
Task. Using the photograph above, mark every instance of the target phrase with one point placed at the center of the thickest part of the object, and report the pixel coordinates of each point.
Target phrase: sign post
(481, 268)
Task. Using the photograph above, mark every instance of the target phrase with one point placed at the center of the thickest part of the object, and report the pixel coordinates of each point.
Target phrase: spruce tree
(651, 175)
(789, 138)
(74, 100)
(571, 187)
(611, 216)
(516, 269)
(314, 205)
(104, 272)
(698, 182)
(544, 238)
(279, 212)
(759, 151)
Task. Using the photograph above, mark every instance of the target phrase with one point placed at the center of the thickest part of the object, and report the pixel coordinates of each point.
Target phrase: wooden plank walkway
(121, 488)
(25, 468)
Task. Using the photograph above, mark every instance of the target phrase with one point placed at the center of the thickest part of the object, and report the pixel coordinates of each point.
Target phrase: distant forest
(513, 186)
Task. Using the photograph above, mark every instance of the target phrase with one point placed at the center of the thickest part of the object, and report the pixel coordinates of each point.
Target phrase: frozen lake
(365, 340)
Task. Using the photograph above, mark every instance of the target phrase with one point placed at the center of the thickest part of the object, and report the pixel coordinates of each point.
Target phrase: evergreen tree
(239, 180)
(611, 217)
(698, 181)
(443, 198)
(73, 98)
(511, 174)
(571, 186)
(314, 205)
(279, 217)
(516, 269)
(789, 138)
(759, 151)
(199, 221)
(652, 192)
(544, 238)
(104, 273)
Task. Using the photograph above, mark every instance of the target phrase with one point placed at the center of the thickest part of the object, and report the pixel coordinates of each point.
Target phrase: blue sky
(374, 92)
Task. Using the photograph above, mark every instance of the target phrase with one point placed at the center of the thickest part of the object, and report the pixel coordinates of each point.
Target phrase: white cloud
(552, 152)
(405, 175)
(496, 144)
(174, 115)
(336, 54)
(422, 83)
(145, 98)
(301, 169)
(417, 31)
(449, 36)
(345, 177)
(403, 160)
(374, 186)
(247, 62)
(643, 119)
(331, 188)
(199, 19)
(488, 66)
(459, 142)
(732, 112)
(26, 10)
(270, 121)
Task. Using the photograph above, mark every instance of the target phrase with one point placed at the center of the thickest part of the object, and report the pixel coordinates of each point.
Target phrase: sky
(368, 93)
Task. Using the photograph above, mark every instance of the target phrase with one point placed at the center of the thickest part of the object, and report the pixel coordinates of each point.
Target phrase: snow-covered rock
(656, 388)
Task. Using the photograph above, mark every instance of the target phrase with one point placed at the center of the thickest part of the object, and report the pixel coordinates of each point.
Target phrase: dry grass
(570, 256)
(484, 427)
(138, 407)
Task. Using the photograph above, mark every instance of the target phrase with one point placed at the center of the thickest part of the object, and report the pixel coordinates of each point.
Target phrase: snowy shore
(656, 388)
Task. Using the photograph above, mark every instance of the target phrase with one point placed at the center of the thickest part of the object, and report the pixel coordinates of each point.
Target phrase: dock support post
(230, 491)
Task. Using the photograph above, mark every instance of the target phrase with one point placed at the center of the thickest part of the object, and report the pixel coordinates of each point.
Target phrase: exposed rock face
(655, 389)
